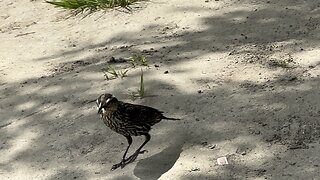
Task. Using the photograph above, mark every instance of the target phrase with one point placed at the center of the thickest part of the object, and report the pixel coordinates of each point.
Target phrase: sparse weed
(141, 90)
(139, 59)
(123, 74)
(91, 5)
(139, 93)
(109, 70)
(133, 61)
(143, 61)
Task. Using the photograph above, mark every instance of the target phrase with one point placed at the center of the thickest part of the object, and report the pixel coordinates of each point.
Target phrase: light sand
(243, 76)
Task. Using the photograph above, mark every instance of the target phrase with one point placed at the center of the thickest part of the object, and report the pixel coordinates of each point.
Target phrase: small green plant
(143, 61)
(133, 61)
(109, 70)
(123, 74)
(92, 5)
(139, 59)
(139, 93)
(141, 90)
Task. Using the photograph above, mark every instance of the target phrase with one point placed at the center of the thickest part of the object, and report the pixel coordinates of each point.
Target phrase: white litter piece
(222, 161)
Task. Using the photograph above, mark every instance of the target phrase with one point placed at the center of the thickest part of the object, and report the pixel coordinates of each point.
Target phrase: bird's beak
(91, 101)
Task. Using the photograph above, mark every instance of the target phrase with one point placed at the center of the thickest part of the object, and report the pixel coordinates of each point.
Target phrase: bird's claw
(144, 151)
(122, 164)
(130, 159)
(134, 156)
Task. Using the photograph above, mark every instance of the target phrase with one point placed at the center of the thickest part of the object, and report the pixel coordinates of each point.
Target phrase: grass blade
(141, 90)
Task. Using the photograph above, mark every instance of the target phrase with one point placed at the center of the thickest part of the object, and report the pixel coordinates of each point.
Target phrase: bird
(128, 120)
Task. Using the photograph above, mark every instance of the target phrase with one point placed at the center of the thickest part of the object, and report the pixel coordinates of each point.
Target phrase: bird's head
(103, 102)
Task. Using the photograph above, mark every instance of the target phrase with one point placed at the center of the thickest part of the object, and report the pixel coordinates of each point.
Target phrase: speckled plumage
(129, 120)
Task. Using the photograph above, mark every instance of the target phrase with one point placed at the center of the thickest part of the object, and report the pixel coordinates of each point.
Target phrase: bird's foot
(134, 156)
(144, 151)
(130, 159)
(121, 164)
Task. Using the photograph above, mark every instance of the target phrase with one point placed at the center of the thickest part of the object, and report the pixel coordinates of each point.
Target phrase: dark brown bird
(129, 120)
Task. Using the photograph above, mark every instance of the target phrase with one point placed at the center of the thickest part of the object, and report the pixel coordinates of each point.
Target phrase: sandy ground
(242, 75)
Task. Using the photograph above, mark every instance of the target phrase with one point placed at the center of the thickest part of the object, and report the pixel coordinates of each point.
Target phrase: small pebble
(222, 161)
(213, 146)
(195, 169)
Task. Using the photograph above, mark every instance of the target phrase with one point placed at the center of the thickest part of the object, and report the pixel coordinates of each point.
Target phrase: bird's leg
(138, 151)
(123, 161)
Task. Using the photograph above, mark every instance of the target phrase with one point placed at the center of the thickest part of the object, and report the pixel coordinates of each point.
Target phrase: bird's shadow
(156, 165)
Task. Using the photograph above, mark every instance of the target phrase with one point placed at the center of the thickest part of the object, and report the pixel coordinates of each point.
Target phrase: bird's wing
(140, 114)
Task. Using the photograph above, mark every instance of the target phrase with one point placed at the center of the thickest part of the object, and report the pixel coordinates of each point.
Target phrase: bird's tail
(167, 118)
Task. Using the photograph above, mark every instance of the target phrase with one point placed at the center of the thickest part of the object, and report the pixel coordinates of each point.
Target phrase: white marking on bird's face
(97, 102)
(100, 104)
(108, 100)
